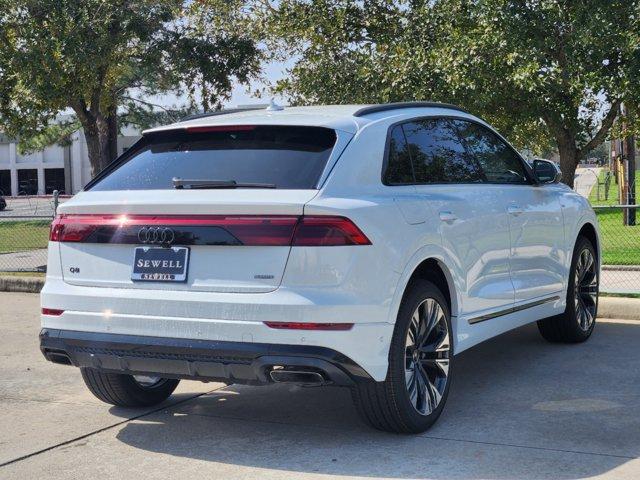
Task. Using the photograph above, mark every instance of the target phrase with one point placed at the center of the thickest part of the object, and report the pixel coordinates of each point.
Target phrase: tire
(125, 391)
(388, 405)
(577, 322)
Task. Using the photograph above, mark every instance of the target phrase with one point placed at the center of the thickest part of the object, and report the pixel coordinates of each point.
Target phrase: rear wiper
(181, 183)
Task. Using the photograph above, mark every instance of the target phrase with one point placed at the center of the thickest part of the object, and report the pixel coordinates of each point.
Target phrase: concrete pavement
(24, 261)
(620, 279)
(40, 206)
(518, 408)
(585, 179)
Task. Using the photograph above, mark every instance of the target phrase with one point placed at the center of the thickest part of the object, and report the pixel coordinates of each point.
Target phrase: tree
(100, 58)
(542, 71)
(565, 62)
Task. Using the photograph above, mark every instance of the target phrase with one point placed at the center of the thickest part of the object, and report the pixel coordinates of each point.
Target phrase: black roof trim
(226, 111)
(383, 107)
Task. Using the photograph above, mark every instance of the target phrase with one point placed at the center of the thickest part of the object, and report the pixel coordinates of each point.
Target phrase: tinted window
(288, 157)
(399, 170)
(499, 162)
(438, 154)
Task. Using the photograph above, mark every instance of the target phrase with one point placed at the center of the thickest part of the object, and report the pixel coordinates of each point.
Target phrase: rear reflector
(309, 326)
(52, 311)
(249, 230)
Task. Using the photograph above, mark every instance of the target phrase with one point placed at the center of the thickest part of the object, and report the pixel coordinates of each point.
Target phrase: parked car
(360, 246)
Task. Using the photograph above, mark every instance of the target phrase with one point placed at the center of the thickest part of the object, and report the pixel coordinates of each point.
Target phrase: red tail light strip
(309, 326)
(221, 128)
(52, 311)
(250, 230)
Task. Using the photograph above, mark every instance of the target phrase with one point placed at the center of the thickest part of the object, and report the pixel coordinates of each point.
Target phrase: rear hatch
(207, 210)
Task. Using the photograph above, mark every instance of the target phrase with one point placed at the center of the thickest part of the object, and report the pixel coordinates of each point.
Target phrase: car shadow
(519, 407)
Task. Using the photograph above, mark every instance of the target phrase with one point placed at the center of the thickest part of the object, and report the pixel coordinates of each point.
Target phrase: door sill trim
(510, 310)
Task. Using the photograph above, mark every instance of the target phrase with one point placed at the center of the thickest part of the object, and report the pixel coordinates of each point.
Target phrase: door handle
(514, 210)
(447, 216)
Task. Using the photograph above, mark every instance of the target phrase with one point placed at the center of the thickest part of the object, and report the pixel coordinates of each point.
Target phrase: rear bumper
(225, 317)
(233, 362)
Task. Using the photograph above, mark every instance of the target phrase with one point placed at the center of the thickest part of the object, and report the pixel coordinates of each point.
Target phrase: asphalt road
(518, 408)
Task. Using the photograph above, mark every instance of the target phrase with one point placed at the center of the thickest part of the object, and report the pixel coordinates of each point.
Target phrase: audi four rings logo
(156, 235)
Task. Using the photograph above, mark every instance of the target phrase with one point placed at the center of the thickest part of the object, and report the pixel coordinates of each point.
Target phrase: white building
(65, 169)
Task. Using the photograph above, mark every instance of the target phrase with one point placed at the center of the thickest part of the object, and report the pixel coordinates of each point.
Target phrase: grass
(23, 235)
(613, 190)
(620, 243)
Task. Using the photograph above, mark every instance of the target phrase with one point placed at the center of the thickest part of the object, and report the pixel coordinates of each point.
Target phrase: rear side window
(285, 156)
(438, 154)
(399, 170)
(499, 162)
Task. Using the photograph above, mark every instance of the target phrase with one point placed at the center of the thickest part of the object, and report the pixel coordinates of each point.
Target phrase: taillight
(55, 230)
(249, 230)
(75, 228)
(327, 231)
(261, 231)
(54, 312)
(309, 326)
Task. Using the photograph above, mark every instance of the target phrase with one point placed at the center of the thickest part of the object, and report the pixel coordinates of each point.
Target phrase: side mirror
(547, 171)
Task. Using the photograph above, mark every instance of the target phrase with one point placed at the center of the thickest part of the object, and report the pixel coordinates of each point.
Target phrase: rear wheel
(577, 322)
(128, 390)
(413, 395)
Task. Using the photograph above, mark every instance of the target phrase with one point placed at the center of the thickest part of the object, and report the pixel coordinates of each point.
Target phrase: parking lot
(518, 408)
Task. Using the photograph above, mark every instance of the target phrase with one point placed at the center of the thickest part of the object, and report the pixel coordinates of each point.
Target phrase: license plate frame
(159, 268)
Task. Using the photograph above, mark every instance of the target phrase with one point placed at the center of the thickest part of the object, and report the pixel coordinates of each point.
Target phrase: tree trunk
(101, 135)
(113, 133)
(569, 158)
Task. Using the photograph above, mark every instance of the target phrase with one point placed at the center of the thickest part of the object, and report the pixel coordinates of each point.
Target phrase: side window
(399, 170)
(500, 164)
(438, 154)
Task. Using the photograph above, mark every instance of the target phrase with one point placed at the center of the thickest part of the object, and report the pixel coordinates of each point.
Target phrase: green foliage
(98, 58)
(55, 133)
(545, 72)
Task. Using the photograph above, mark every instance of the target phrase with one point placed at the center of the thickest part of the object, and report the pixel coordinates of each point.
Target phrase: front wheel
(577, 322)
(413, 395)
(128, 390)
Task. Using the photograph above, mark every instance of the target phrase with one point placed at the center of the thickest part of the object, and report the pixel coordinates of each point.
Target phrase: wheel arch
(589, 231)
(436, 272)
(434, 269)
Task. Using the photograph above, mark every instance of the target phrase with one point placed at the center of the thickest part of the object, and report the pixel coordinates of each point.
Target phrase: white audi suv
(358, 246)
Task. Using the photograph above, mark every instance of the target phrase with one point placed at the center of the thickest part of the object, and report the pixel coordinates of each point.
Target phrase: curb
(619, 307)
(21, 284)
(622, 268)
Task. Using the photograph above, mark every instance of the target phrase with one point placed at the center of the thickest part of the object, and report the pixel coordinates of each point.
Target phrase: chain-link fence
(24, 233)
(619, 225)
(620, 243)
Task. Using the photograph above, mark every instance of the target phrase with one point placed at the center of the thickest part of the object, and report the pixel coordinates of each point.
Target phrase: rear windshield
(287, 157)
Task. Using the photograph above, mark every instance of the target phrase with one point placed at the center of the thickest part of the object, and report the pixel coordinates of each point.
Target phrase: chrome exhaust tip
(300, 377)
